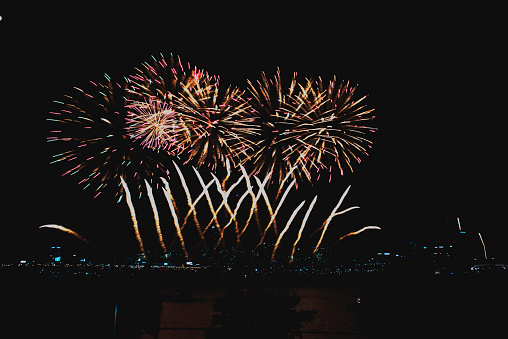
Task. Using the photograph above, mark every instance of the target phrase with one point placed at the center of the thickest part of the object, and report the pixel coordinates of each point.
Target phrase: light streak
(189, 202)
(360, 231)
(255, 198)
(293, 215)
(66, 230)
(332, 215)
(224, 203)
(458, 222)
(133, 215)
(155, 215)
(483, 244)
(275, 214)
(170, 200)
(208, 199)
(300, 232)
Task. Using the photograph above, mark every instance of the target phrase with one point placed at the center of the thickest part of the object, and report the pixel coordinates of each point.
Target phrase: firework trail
(208, 199)
(190, 203)
(155, 215)
(333, 214)
(66, 230)
(483, 244)
(90, 140)
(170, 200)
(133, 215)
(225, 196)
(262, 191)
(293, 215)
(360, 231)
(275, 214)
(254, 207)
(300, 232)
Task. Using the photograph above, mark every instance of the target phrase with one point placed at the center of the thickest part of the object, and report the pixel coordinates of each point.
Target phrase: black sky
(432, 74)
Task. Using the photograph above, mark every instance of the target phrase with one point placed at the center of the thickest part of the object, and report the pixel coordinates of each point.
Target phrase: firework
(171, 204)
(332, 215)
(300, 232)
(91, 142)
(309, 127)
(133, 216)
(272, 219)
(113, 133)
(212, 126)
(163, 79)
(483, 244)
(156, 125)
(155, 215)
(219, 125)
(152, 90)
(66, 230)
(293, 215)
(360, 231)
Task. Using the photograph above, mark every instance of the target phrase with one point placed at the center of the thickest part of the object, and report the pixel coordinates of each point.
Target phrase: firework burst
(212, 126)
(157, 126)
(309, 126)
(91, 140)
(219, 125)
(163, 79)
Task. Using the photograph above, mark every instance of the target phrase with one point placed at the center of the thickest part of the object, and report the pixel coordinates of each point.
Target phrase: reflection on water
(333, 320)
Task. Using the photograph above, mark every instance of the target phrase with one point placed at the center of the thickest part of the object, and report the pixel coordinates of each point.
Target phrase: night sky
(432, 74)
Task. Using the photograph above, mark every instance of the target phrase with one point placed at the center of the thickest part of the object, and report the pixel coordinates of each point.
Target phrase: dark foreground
(394, 306)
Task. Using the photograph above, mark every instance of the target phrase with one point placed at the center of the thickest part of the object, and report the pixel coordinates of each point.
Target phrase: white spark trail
(304, 222)
(293, 215)
(169, 198)
(155, 215)
(133, 215)
(483, 244)
(275, 213)
(66, 230)
(334, 214)
(360, 231)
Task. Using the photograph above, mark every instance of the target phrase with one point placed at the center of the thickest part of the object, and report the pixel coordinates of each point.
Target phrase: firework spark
(91, 143)
(219, 125)
(483, 244)
(66, 230)
(293, 215)
(333, 214)
(133, 215)
(113, 133)
(300, 232)
(170, 200)
(360, 231)
(272, 219)
(156, 125)
(155, 215)
(307, 126)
